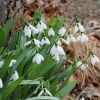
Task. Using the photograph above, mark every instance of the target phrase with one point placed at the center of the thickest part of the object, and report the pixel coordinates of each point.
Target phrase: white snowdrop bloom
(41, 26)
(56, 57)
(62, 40)
(78, 27)
(27, 31)
(94, 59)
(47, 92)
(27, 43)
(1, 83)
(51, 32)
(1, 63)
(45, 40)
(80, 65)
(15, 76)
(33, 29)
(37, 43)
(41, 92)
(62, 31)
(12, 62)
(70, 38)
(82, 99)
(57, 50)
(82, 38)
(38, 58)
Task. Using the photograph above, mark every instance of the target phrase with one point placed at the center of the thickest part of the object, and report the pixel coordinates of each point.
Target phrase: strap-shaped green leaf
(7, 27)
(2, 38)
(10, 89)
(65, 90)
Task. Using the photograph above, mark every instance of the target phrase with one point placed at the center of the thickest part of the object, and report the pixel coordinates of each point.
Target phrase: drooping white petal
(93, 61)
(27, 31)
(82, 38)
(45, 40)
(82, 99)
(76, 29)
(33, 29)
(65, 41)
(37, 42)
(1, 63)
(73, 39)
(96, 58)
(15, 76)
(60, 50)
(43, 25)
(80, 65)
(48, 92)
(40, 93)
(56, 57)
(39, 27)
(12, 62)
(68, 39)
(81, 28)
(38, 58)
(62, 31)
(1, 83)
(51, 32)
(27, 43)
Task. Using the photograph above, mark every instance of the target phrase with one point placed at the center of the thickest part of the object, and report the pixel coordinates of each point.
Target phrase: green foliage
(33, 77)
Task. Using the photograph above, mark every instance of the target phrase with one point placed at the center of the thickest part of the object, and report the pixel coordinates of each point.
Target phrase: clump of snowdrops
(31, 62)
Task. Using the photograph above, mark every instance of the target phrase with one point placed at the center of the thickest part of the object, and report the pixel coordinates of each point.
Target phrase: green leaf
(10, 89)
(31, 82)
(5, 66)
(2, 38)
(45, 66)
(7, 27)
(43, 98)
(65, 90)
(71, 69)
(13, 42)
(21, 57)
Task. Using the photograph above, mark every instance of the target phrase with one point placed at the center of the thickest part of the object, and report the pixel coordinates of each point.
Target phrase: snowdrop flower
(94, 59)
(57, 50)
(70, 38)
(38, 58)
(45, 40)
(80, 65)
(82, 99)
(41, 26)
(78, 27)
(82, 38)
(51, 32)
(62, 31)
(40, 93)
(27, 31)
(1, 83)
(12, 62)
(61, 40)
(1, 63)
(33, 29)
(15, 76)
(44, 91)
(37, 42)
(47, 92)
(56, 57)
(27, 43)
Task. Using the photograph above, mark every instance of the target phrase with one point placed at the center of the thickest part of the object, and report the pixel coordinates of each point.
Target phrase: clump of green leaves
(31, 76)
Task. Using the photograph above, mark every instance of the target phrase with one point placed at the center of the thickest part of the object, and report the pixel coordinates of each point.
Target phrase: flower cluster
(56, 50)
(14, 77)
